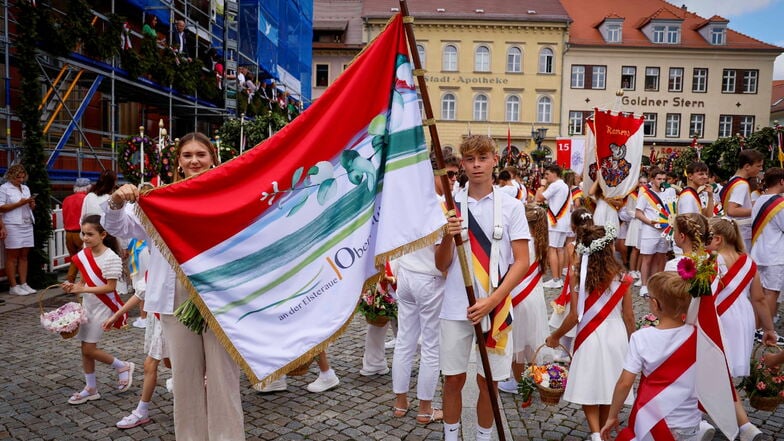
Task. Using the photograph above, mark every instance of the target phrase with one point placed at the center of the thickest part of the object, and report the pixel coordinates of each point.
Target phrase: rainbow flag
(276, 245)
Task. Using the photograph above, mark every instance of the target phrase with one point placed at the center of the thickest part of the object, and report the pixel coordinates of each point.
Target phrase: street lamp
(538, 136)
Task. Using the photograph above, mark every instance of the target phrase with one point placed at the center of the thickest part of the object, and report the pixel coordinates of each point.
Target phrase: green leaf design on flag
(379, 125)
(303, 197)
(296, 176)
(327, 190)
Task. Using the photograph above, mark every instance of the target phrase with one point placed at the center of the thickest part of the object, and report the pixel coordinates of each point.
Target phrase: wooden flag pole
(430, 122)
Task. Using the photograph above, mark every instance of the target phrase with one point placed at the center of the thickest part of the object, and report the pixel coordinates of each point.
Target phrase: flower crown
(598, 244)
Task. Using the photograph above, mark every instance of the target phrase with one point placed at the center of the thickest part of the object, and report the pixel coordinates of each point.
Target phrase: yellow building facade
(485, 76)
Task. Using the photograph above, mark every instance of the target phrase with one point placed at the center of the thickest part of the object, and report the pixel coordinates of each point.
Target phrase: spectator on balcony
(16, 206)
(72, 211)
(148, 30)
(182, 42)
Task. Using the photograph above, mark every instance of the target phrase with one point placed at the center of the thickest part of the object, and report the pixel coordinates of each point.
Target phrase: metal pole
(141, 156)
(242, 133)
(450, 206)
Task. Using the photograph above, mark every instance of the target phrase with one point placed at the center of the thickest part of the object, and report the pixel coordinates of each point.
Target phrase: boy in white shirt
(653, 247)
(556, 193)
(492, 216)
(736, 195)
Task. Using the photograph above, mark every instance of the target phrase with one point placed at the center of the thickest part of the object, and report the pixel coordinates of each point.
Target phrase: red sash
(767, 212)
(598, 307)
(526, 287)
(688, 191)
(93, 276)
(566, 292)
(732, 284)
(652, 386)
(726, 191)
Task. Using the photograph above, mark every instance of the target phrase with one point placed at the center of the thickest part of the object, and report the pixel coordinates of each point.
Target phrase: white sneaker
(278, 385)
(389, 344)
(705, 432)
(28, 288)
(139, 323)
(635, 274)
(370, 373)
(750, 433)
(638, 283)
(509, 386)
(553, 283)
(324, 382)
(18, 291)
(643, 291)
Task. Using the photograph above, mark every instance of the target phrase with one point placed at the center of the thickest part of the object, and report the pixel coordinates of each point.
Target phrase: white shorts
(772, 277)
(654, 246)
(457, 338)
(19, 236)
(557, 238)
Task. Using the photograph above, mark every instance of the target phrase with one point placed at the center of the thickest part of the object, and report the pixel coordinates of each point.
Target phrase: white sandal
(132, 420)
(84, 396)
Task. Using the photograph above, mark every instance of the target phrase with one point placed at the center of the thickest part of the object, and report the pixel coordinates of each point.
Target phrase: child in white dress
(99, 267)
(602, 311)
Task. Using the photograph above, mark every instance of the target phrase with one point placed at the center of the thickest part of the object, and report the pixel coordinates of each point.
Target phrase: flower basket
(550, 378)
(64, 320)
(764, 386)
(379, 321)
(768, 404)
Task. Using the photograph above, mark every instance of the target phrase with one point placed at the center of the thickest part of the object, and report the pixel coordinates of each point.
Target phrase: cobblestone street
(39, 372)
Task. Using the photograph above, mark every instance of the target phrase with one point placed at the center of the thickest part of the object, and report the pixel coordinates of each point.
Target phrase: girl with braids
(691, 233)
(580, 220)
(602, 312)
(530, 309)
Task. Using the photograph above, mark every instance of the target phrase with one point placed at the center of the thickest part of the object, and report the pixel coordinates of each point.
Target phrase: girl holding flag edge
(100, 267)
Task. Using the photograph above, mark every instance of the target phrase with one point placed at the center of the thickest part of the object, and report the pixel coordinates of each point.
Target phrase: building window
(750, 81)
(672, 127)
(513, 108)
(718, 35)
(699, 82)
(628, 77)
(322, 75)
(544, 110)
(676, 79)
(448, 105)
(480, 107)
(598, 77)
(482, 59)
(725, 126)
(578, 77)
(576, 123)
(514, 60)
(421, 51)
(614, 33)
(652, 78)
(746, 125)
(697, 125)
(649, 126)
(449, 59)
(658, 34)
(673, 34)
(728, 81)
(546, 61)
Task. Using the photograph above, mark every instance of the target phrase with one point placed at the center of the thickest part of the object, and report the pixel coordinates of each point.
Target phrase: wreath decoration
(168, 161)
(524, 160)
(129, 159)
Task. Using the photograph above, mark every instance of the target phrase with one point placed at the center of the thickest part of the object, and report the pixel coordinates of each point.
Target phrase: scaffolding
(90, 105)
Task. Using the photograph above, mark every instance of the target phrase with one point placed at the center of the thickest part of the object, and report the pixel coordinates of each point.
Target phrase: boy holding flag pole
(480, 176)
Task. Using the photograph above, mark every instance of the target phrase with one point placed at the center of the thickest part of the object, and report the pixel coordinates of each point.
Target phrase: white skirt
(154, 344)
(633, 233)
(530, 325)
(19, 236)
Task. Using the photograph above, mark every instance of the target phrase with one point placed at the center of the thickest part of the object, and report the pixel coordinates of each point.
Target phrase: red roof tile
(777, 97)
(636, 13)
(542, 10)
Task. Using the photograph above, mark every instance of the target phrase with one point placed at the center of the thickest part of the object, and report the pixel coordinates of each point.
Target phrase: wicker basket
(768, 404)
(64, 335)
(548, 395)
(379, 321)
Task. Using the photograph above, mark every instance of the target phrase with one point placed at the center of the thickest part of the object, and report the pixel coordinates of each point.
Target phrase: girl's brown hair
(199, 138)
(537, 224)
(110, 241)
(695, 227)
(14, 171)
(602, 266)
(728, 230)
(671, 292)
(581, 219)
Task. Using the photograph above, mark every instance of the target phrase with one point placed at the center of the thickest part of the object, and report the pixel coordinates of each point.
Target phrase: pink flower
(761, 386)
(687, 269)
(781, 394)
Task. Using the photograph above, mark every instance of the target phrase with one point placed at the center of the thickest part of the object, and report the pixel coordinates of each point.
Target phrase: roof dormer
(611, 28)
(714, 30)
(663, 27)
